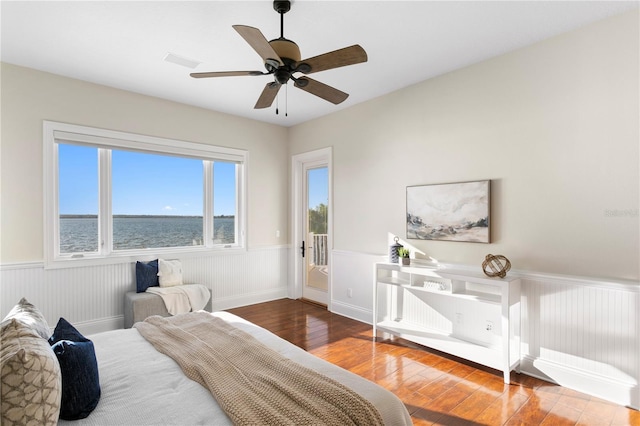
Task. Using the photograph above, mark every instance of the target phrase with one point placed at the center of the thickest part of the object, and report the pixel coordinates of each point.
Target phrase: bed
(142, 386)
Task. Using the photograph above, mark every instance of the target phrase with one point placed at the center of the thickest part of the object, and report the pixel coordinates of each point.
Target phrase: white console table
(463, 313)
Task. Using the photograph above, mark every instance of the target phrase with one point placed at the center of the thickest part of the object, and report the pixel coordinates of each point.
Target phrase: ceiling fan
(282, 59)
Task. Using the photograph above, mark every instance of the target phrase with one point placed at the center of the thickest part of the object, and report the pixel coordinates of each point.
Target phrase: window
(78, 198)
(110, 195)
(157, 201)
(224, 202)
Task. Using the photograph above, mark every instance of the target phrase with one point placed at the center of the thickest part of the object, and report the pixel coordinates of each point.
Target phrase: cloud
(168, 208)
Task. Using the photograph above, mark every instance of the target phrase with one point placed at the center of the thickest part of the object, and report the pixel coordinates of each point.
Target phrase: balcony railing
(320, 249)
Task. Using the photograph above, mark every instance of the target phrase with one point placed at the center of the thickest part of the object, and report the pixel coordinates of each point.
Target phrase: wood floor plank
(436, 388)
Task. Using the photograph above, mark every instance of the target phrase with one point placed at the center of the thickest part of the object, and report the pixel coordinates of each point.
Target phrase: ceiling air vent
(181, 60)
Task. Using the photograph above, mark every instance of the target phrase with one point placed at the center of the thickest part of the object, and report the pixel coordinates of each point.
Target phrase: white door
(312, 237)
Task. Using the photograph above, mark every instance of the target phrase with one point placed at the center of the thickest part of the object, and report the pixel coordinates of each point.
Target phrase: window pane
(78, 198)
(318, 199)
(224, 202)
(157, 201)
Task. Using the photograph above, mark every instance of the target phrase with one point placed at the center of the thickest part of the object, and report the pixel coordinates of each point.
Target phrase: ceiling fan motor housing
(289, 52)
(286, 49)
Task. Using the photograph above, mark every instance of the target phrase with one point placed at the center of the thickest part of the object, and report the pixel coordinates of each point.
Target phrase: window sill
(139, 255)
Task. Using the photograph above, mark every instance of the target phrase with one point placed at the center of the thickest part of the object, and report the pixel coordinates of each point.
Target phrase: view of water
(80, 234)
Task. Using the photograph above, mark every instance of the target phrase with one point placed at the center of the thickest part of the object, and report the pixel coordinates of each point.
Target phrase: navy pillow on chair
(146, 275)
(79, 367)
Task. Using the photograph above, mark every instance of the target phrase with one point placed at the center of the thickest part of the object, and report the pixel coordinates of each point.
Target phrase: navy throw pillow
(146, 275)
(79, 367)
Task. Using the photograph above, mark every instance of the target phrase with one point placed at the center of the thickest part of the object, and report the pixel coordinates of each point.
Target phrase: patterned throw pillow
(29, 315)
(30, 374)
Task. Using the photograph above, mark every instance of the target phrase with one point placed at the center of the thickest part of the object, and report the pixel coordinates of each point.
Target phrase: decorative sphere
(498, 265)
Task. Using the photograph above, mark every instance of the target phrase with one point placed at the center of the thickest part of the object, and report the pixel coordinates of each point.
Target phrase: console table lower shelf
(464, 314)
(487, 356)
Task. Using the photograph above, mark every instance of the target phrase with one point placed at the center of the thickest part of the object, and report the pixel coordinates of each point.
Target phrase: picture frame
(450, 212)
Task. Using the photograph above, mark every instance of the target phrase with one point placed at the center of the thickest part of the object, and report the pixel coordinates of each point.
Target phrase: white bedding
(141, 386)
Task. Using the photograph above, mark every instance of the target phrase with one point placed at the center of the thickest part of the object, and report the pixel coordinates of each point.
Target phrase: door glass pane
(157, 201)
(224, 202)
(318, 250)
(78, 198)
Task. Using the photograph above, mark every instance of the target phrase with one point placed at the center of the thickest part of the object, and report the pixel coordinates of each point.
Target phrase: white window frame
(105, 141)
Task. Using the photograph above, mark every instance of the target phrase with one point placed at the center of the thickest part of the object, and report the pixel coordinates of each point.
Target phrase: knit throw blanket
(252, 383)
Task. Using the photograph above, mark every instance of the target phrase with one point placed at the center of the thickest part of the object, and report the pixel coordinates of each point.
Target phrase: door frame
(323, 158)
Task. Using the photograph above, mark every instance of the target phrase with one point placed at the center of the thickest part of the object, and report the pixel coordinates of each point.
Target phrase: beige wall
(30, 96)
(555, 126)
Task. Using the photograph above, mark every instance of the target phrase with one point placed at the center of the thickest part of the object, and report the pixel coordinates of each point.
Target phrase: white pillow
(169, 272)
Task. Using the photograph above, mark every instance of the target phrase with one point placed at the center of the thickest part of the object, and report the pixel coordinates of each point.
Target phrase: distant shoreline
(138, 216)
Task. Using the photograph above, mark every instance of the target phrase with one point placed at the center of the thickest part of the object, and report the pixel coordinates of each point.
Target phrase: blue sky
(142, 184)
(147, 184)
(318, 180)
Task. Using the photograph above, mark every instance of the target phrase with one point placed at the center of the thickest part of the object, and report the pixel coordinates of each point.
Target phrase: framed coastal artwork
(449, 212)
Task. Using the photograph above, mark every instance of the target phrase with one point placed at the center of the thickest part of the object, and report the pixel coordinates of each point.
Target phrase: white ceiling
(122, 44)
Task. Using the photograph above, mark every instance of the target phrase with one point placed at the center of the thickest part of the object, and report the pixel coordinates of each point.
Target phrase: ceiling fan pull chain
(286, 100)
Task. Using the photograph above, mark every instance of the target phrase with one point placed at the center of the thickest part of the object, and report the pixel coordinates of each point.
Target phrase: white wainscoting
(352, 270)
(581, 333)
(92, 297)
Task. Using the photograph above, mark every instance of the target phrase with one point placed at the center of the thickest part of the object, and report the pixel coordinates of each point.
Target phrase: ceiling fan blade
(321, 90)
(225, 74)
(256, 40)
(268, 95)
(338, 58)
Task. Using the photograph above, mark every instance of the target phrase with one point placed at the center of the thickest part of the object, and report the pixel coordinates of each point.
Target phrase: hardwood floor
(436, 388)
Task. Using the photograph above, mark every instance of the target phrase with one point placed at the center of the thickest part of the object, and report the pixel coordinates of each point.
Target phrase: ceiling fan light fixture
(282, 75)
(271, 64)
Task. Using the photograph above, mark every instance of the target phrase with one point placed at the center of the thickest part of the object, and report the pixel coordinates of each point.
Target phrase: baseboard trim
(620, 392)
(351, 311)
(100, 325)
(249, 299)
(313, 302)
